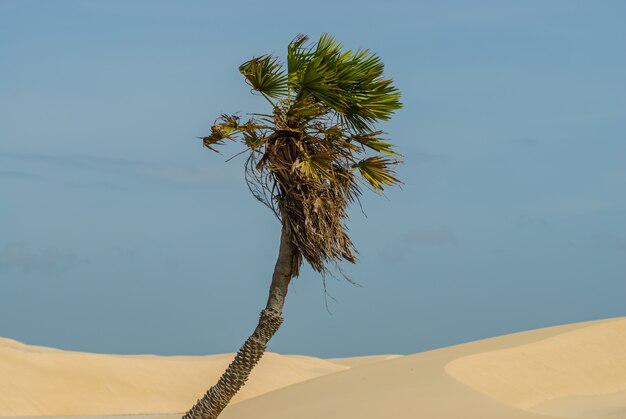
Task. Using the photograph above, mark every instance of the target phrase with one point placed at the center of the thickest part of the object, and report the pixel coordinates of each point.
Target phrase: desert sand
(39, 381)
(571, 371)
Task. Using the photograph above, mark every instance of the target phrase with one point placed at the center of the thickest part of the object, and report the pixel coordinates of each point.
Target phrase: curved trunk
(235, 376)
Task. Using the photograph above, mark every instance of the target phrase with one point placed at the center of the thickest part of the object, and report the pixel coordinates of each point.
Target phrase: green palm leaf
(373, 141)
(378, 171)
(298, 55)
(351, 83)
(265, 75)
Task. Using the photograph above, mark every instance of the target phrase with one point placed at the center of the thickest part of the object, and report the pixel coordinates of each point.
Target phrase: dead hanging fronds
(309, 159)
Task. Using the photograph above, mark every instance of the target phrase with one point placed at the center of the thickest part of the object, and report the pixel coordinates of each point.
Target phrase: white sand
(572, 371)
(38, 381)
(581, 372)
(422, 385)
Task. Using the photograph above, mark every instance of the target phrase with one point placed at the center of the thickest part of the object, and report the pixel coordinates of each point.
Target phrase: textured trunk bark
(235, 376)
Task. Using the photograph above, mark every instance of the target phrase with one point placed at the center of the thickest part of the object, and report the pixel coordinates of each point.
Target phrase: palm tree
(307, 161)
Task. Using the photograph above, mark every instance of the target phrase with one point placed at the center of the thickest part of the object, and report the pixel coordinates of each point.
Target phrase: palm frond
(221, 130)
(265, 75)
(351, 83)
(304, 111)
(378, 171)
(373, 141)
(298, 56)
(253, 139)
(317, 166)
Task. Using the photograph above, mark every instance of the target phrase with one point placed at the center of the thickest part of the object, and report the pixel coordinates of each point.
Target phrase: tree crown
(309, 159)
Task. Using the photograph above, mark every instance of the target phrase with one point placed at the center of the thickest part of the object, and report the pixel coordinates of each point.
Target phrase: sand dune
(574, 374)
(571, 371)
(363, 360)
(39, 381)
(467, 381)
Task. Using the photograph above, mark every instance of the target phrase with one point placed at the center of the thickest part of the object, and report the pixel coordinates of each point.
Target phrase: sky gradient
(119, 233)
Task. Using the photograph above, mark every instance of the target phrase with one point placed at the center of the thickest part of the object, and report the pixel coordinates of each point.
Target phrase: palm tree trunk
(235, 376)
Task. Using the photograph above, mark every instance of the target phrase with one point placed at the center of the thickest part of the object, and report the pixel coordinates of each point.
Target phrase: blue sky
(119, 233)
